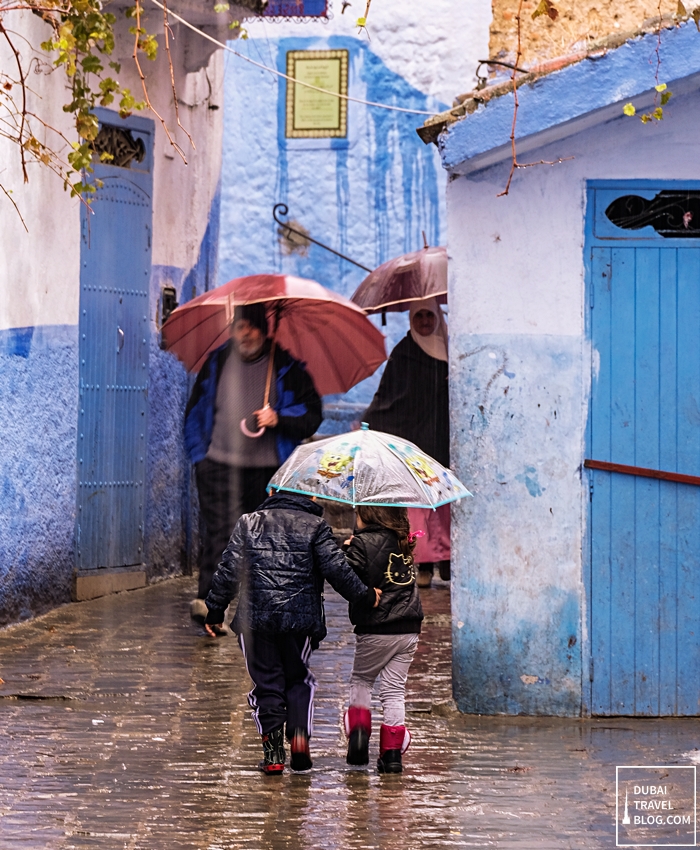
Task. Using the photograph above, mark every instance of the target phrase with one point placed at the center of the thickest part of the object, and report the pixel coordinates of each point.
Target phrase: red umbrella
(411, 277)
(331, 335)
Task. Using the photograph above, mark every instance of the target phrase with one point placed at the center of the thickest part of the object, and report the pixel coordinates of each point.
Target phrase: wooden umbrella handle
(268, 381)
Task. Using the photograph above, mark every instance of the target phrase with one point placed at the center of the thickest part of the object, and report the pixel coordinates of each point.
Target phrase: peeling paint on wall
(516, 569)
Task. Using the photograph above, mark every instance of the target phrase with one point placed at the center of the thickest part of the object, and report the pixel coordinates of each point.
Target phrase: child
(381, 553)
(278, 556)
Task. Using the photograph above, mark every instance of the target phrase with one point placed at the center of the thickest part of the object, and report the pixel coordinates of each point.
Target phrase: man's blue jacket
(298, 405)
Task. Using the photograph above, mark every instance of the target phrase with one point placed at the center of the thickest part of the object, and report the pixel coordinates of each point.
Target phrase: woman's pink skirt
(435, 544)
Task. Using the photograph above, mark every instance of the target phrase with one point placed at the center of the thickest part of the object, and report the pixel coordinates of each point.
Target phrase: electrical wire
(286, 76)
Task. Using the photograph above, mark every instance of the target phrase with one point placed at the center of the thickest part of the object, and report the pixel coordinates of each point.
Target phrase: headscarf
(256, 314)
(434, 345)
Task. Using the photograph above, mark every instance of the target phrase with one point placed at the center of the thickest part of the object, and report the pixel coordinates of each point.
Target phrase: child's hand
(378, 595)
(348, 541)
(220, 626)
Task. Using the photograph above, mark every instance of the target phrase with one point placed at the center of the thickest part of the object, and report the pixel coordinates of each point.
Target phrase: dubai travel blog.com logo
(656, 806)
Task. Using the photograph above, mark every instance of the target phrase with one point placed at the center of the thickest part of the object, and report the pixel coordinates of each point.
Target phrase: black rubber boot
(273, 752)
(299, 742)
(393, 741)
(390, 762)
(358, 728)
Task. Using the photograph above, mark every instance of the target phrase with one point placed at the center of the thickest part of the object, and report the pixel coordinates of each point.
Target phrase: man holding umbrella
(251, 404)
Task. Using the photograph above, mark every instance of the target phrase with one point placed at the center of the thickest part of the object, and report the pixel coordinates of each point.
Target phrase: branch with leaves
(545, 7)
(81, 43)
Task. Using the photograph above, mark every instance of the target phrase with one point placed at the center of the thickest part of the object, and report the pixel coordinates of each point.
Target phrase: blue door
(114, 332)
(643, 453)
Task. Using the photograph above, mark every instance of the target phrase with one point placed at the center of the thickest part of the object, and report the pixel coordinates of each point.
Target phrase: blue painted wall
(368, 196)
(38, 421)
(172, 528)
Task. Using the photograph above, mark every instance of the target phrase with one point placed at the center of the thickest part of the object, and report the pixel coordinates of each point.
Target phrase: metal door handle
(120, 343)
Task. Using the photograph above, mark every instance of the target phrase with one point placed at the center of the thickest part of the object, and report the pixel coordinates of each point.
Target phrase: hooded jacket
(375, 556)
(278, 557)
(298, 405)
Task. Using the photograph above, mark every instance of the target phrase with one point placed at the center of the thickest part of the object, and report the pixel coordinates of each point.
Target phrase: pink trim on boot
(393, 738)
(358, 717)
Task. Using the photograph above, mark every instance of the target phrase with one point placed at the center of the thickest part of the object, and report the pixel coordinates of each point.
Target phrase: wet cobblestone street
(123, 726)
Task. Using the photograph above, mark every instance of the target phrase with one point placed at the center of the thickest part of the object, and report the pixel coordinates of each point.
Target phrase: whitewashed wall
(435, 47)
(520, 383)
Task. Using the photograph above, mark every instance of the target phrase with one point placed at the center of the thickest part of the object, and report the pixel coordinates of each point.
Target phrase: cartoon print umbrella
(332, 336)
(368, 468)
(395, 284)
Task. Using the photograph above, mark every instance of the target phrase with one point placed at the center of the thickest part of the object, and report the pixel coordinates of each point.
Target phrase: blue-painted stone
(38, 421)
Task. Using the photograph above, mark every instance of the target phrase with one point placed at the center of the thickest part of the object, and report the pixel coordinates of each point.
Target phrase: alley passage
(121, 726)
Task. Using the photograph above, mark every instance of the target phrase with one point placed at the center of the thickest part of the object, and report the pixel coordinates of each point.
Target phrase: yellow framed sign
(312, 114)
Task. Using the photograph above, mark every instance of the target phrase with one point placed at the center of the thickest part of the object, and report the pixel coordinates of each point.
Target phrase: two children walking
(276, 561)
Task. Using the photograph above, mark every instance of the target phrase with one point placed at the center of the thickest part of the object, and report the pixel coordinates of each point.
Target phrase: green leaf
(658, 113)
(361, 22)
(221, 7)
(629, 109)
(665, 97)
(660, 87)
(91, 64)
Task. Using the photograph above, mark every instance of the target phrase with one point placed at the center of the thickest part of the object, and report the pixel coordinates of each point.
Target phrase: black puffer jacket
(375, 555)
(278, 556)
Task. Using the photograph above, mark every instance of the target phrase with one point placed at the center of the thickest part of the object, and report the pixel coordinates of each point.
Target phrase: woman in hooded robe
(412, 402)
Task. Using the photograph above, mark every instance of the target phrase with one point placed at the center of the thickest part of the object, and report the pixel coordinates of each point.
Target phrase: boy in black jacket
(381, 553)
(278, 558)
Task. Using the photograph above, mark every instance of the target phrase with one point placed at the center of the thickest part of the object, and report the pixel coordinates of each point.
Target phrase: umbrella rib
(406, 300)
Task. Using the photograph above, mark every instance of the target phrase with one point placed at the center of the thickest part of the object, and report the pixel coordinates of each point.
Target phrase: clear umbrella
(368, 468)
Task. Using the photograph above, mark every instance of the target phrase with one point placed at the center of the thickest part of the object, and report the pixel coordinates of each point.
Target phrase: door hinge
(591, 668)
(590, 489)
(591, 296)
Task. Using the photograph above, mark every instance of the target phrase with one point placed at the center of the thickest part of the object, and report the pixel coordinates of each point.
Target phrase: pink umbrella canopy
(395, 284)
(331, 335)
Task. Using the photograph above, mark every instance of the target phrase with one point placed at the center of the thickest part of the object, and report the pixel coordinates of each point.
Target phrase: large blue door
(644, 440)
(114, 332)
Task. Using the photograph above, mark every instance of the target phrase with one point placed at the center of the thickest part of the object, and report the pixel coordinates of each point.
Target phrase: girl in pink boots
(381, 553)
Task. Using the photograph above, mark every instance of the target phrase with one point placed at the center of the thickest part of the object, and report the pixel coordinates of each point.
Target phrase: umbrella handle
(249, 433)
(268, 380)
(266, 400)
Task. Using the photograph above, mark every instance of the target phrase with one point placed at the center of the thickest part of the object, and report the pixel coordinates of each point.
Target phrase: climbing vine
(80, 45)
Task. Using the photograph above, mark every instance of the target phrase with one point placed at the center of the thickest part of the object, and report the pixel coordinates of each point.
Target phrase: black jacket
(278, 556)
(375, 556)
(412, 400)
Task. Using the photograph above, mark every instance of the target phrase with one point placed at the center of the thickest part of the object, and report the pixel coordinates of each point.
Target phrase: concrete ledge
(95, 583)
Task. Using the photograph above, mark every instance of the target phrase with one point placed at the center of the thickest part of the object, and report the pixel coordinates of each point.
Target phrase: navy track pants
(283, 686)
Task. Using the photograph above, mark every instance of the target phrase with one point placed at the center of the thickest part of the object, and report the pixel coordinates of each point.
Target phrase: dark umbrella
(411, 277)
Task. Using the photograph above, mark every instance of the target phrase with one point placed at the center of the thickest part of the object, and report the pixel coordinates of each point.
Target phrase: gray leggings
(389, 657)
